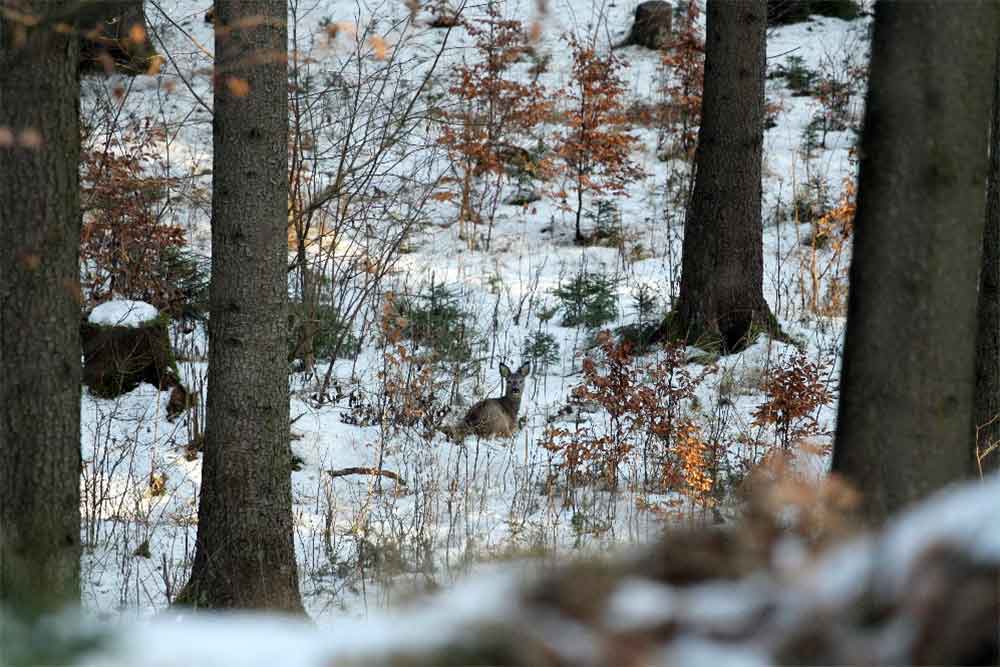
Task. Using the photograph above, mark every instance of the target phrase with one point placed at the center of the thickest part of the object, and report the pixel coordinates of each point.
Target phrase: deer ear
(504, 371)
(524, 369)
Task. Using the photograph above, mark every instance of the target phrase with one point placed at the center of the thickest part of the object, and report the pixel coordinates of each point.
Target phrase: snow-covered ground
(364, 545)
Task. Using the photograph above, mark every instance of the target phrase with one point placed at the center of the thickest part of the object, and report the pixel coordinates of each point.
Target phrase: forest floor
(363, 543)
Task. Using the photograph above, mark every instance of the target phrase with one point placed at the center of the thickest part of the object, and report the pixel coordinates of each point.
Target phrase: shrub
(335, 337)
(683, 66)
(795, 391)
(607, 223)
(124, 235)
(435, 320)
(541, 349)
(799, 78)
(406, 396)
(495, 110)
(645, 409)
(183, 276)
(640, 334)
(595, 149)
(587, 299)
(324, 329)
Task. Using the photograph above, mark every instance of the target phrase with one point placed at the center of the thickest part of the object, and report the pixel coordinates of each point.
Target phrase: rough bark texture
(245, 555)
(906, 411)
(721, 293)
(988, 336)
(39, 315)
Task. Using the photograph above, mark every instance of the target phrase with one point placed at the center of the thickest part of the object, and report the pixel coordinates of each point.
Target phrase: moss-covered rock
(117, 358)
(652, 25)
(785, 12)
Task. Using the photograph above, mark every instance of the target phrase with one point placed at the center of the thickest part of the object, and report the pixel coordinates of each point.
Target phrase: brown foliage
(827, 258)
(683, 62)
(407, 398)
(644, 405)
(794, 393)
(494, 110)
(596, 146)
(124, 238)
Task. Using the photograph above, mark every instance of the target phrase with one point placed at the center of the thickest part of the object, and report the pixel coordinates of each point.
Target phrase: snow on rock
(123, 313)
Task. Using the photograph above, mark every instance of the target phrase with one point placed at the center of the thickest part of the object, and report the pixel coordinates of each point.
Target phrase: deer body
(493, 417)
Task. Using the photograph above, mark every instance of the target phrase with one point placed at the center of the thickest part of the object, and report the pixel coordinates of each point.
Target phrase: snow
(367, 553)
(955, 516)
(702, 653)
(637, 603)
(363, 548)
(122, 313)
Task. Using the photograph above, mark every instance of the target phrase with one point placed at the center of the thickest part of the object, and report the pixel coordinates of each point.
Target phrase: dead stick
(343, 472)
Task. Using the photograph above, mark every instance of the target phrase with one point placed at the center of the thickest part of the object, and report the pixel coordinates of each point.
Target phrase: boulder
(785, 12)
(652, 25)
(523, 196)
(125, 343)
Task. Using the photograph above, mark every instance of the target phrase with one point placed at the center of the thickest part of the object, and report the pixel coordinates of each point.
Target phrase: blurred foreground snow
(921, 576)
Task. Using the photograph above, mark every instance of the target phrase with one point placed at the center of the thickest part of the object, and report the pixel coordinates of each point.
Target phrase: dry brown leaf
(237, 86)
(379, 46)
(535, 32)
(136, 34)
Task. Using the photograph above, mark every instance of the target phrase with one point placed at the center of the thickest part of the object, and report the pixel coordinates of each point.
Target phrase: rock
(443, 14)
(522, 197)
(651, 28)
(445, 20)
(785, 12)
(120, 351)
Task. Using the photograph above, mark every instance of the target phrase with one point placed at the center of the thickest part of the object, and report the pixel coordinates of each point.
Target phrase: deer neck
(511, 404)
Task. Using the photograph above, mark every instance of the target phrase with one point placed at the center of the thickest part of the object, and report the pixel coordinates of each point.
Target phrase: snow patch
(123, 313)
(640, 603)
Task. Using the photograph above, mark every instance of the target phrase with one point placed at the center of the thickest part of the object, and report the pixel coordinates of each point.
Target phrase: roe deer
(493, 417)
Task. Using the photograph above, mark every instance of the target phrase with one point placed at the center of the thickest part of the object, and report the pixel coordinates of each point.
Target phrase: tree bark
(39, 315)
(245, 554)
(721, 300)
(906, 412)
(988, 336)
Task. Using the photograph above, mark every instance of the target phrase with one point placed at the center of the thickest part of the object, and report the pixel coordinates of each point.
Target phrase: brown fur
(493, 417)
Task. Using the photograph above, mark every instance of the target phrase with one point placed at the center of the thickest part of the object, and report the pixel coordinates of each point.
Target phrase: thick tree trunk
(988, 336)
(39, 315)
(721, 294)
(906, 411)
(245, 554)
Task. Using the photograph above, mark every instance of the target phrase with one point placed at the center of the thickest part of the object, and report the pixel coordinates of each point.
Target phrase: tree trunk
(245, 555)
(906, 412)
(721, 300)
(39, 315)
(988, 336)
